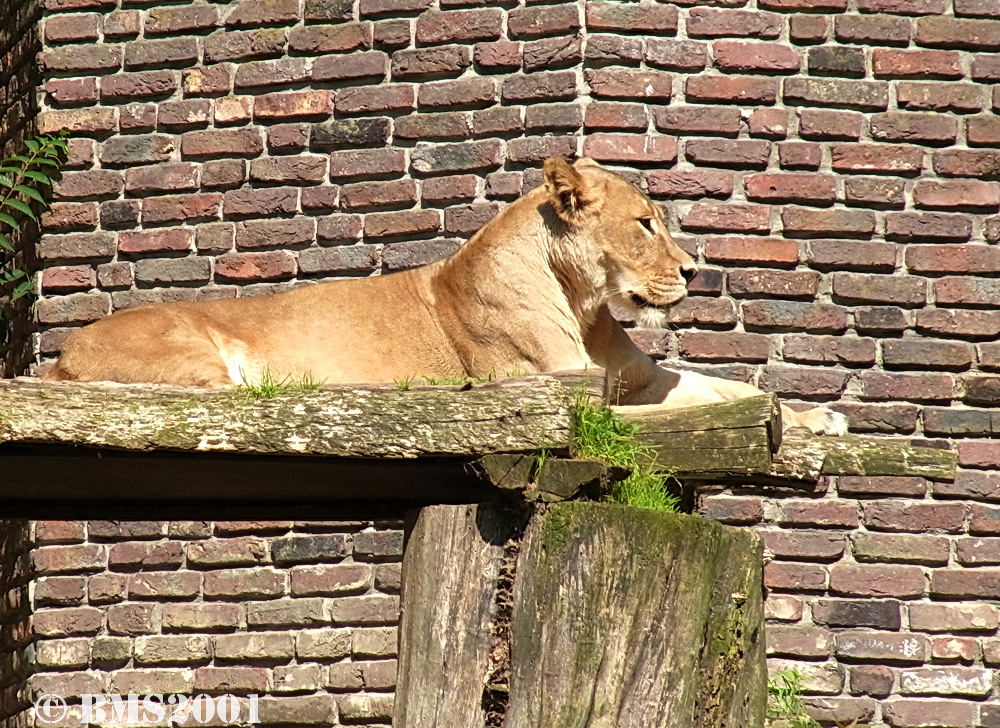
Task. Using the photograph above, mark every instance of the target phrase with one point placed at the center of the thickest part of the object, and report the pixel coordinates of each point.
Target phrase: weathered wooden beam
(549, 480)
(600, 615)
(521, 415)
(715, 440)
(804, 457)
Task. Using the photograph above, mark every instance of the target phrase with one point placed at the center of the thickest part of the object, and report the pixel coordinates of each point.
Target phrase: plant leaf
(18, 158)
(5, 243)
(46, 161)
(6, 181)
(39, 177)
(22, 290)
(21, 207)
(13, 274)
(29, 192)
(33, 145)
(9, 219)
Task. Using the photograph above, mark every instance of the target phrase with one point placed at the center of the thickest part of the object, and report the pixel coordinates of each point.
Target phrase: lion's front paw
(822, 421)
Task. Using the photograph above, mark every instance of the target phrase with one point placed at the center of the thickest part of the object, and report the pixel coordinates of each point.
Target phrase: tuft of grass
(459, 380)
(784, 700)
(403, 385)
(269, 386)
(600, 434)
(542, 458)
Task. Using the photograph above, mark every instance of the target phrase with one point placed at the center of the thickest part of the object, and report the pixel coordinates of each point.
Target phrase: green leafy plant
(600, 434)
(24, 178)
(785, 706)
(269, 386)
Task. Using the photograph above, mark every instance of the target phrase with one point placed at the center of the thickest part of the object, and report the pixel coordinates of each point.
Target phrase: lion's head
(633, 260)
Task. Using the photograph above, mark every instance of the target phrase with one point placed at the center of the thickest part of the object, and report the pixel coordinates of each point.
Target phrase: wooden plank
(714, 440)
(365, 421)
(805, 457)
(451, 571)
(624, 617)
(551, 480)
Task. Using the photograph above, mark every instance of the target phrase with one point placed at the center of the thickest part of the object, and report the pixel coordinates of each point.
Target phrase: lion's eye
(647, 222)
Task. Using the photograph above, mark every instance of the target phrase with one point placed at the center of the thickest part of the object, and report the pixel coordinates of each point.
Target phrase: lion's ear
(568, 190)
(586, 162)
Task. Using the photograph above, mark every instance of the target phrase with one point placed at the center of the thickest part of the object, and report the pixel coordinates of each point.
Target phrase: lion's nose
(689, 271)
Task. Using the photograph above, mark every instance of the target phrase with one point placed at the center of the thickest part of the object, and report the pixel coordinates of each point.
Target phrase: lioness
(529, 292)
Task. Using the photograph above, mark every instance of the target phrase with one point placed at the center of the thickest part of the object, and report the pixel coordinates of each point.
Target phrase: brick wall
(832, 163)
(20, 42)
(303, 614)
(15, 616)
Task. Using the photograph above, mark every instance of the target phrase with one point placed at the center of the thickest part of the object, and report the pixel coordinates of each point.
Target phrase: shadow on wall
(20, 44)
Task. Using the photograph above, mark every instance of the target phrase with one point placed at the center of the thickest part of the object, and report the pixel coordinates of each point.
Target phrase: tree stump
(594, 615)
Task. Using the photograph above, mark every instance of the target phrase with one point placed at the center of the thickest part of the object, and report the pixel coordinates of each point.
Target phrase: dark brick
(880, 614)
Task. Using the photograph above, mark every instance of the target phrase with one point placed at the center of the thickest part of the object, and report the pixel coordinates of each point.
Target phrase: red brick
(72, 91)
(180, 20)
(186, 114)
(808, 29)
(137, 117)
(800, 155)
(876, 581)
(535, 150)
(292, 105)
(773, 284)
(953, 258)
(799, 641)
(498, 56)
(319, 39)
(768, 123)
(742, 154)
(81, 59)
(881, 485)
(918, 353)
(428, 63)
(796, 545)
(883, 647)
(370, 65)
(619, 83)
(92, 122)
(699, 120)
(874, 192)
(903, 7)
(849, 351)
(165, 53)
(181, 208)
(906, 548)
(806, 6)
(978, 163)
(390, 33)
(379, 194)
(611, 116)
(392, 7)
(748, 57)
(956, 195)
(873, 30)
(718, 23)
(834, 93)
(803, 382)
(806, 222)
(920, 227)
(795, 315)
(786, 576)
(250, 13)
(631, 149)
(77, 27)
(888, 63)
(955, 33)
(712, 217)
(302, 170)
(914, 127)
(465, 220)
(695, 184)
(121, 24)
(869, 288)
(156, 241)
(459, 26)
(724, 346)
(554, 53)
(391, 97)
(222, 143)
(877, 158)
(806, 188)
(269, 266)
(537, 22)
(914, 516)
(966, 583)
(260, 202)
(733, 510)
(612, 16)
(832, 125)
(977, 8)
(874, 680)
(392, 224)
(979, 454)
(676, 55)
(466, 92)
(207, 81)
(958, 97)
(731, 89)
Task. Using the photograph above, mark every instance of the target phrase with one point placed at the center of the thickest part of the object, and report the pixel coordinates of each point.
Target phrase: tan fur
(529, 292)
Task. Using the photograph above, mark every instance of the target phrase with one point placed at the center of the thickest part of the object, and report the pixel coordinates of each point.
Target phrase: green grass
(269, 386)
(600, 434)
(784, 700)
